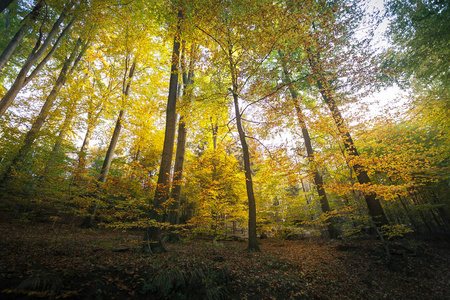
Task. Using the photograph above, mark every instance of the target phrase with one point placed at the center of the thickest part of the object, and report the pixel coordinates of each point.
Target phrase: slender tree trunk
(112, 146)
(252, 237)
(152, 239)
(333, 231)
(214, 128)
(6, 54)
(115, 137)
(50, 53)
(88, 221)
(37, 125)
(37, 52)
(373, 204)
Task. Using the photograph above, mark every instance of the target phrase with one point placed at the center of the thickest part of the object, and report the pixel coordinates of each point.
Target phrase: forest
(224, 149)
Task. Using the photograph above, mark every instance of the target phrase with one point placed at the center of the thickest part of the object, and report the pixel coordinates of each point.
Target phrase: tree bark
(373, 204)
(87, 223)
(37, 52)
(89, 220)
(252, 237)
(188, 80)
(177, 173)
(333, 231)
(49, 55)
(115, 137)
(112, 146)
(152, 234)
(37, 125)
(15, 41)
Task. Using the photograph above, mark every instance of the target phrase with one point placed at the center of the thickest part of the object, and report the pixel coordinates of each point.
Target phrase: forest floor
(102, 264)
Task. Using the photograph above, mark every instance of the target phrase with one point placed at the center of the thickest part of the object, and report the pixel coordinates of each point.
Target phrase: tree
(115, 137)
(373, 204)
(126, 86)
(215, 190)
(162, 188)
(188, 81)
(15, 41)
(332, 25)
(318, 179)
(37, 52)
(419, 32)
(69, 66)
(252, 238)
(245, 34)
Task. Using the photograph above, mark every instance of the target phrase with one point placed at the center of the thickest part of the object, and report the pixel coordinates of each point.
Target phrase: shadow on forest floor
(102, 264)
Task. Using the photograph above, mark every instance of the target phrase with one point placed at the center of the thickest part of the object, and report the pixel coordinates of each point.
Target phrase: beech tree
(37, 53)
(15, 41)
(188, 81)
(318, 179)
(115, 137)
(329, 96)
(69, 66)
(162, 188)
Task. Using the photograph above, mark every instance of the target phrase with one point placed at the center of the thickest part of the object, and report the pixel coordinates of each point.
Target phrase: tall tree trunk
(153, 241)
(188, 80)
(373, 204)
(252, 237)
(214, 129)
(70, 114)
(15, 41)
(89, 220)
(37, 52)
(175, 193)
(37, 125)
(87, 223)
(333, 231)
(50, 53)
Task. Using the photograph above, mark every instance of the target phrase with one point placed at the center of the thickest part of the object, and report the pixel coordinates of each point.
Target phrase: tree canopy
(224, 118)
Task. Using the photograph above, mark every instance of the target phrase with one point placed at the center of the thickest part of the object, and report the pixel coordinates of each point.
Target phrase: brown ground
(102, 264)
